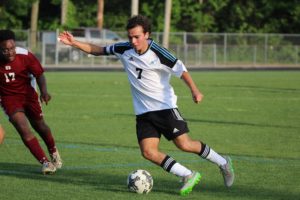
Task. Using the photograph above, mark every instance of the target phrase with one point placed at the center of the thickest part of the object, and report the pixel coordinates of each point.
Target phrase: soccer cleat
(189, 182)
(227, 172)
(56, 160)
(48, 168)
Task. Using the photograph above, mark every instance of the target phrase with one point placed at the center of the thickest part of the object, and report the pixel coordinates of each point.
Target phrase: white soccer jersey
(149, 75)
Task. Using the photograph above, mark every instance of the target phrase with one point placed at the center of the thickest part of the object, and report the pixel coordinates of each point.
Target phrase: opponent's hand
(45, 98)
(66, 38)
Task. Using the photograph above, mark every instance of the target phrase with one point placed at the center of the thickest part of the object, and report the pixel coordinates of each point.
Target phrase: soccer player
(20, 100)
(149, 67)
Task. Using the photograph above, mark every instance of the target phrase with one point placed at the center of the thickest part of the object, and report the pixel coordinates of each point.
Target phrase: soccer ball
(140, 181)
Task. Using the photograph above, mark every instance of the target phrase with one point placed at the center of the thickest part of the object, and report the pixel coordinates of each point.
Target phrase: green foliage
(71, 16)
(236, 16)
(115, 17)
(153, 10)
(46, 20)
(259, 16)
(14, 13)
(183, 17)
(115, 22)
(86, 13)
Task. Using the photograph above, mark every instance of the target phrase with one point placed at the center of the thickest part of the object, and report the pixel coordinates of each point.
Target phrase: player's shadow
(116, 182)
(73, 144)
(259, 88)
(244, 192)
(240, 123)
(97, 180)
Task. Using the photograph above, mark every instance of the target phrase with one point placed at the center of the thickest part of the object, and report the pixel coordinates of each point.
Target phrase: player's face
(138, 39)
(8, 50)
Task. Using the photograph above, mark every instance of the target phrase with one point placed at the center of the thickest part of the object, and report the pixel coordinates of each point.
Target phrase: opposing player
(149, 67)
(20, 100)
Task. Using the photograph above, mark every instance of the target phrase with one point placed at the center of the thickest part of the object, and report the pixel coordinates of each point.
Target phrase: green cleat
(227, 172)
(189, 182)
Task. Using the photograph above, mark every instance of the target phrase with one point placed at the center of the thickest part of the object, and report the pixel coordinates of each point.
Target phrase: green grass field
(253, 116)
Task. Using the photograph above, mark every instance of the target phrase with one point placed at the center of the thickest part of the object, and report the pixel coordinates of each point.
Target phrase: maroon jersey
(15, 76)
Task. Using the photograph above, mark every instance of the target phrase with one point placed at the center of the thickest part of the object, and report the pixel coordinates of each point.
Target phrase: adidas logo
(175, 130)
(131, 58)
(153, 62)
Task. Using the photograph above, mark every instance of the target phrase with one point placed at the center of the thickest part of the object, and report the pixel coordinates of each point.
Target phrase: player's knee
(149, 154)
(27, 136)
(185, 146)
(42, 128)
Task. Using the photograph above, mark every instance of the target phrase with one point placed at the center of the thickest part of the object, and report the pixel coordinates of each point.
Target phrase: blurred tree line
(234, 16)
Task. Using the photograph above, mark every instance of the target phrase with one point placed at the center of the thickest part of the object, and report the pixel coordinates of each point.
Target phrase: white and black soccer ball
(140, 181)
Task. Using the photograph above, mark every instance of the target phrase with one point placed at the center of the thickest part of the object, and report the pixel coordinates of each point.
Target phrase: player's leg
(150, 151)
(21, 124)
(44, 131)
(185, 143)
(148, 127)
(35, 116)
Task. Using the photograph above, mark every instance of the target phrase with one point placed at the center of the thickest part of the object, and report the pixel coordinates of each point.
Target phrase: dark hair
(7, 35)
(139, 20)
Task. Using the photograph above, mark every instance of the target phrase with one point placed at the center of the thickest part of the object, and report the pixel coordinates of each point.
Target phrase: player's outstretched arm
(196, 94)
(68, 39)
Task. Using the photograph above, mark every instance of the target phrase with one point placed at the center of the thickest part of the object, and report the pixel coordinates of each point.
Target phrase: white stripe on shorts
(177, 114)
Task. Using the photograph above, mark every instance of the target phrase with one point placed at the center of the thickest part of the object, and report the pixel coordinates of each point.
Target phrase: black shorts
(167, 122)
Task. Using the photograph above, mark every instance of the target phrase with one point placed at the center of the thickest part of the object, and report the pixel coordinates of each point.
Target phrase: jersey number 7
(139, 70)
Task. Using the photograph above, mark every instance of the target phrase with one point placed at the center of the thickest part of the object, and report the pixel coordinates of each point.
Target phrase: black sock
(205, 149)
(167, 163)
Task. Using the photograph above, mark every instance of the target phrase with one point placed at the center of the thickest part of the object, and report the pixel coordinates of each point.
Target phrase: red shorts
(30, 105)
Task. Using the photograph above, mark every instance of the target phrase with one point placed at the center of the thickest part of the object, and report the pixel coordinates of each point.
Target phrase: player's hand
(45, 98)
(66, 38)
(197, 96)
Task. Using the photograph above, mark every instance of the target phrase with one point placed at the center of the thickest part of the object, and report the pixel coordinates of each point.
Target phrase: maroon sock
(36, 150)
(49, 141)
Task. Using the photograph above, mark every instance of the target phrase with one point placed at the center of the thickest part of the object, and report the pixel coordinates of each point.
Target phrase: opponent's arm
(68, 39)
(196, 94)
(41, 82)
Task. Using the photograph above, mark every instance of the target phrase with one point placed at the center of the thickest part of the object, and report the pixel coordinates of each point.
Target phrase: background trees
(264, 16)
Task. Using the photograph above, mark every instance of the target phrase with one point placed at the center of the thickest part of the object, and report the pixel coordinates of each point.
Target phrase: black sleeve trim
(122, 47)
(164, 55)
